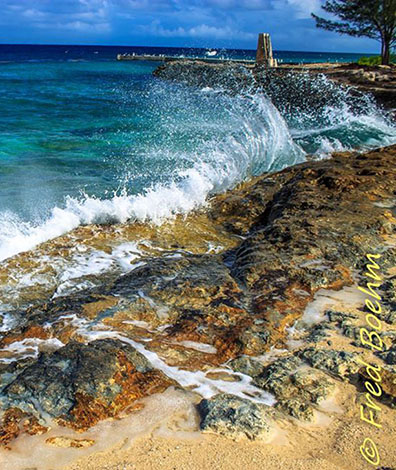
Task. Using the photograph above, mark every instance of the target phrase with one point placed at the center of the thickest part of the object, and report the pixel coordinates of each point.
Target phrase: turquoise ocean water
(86, 139)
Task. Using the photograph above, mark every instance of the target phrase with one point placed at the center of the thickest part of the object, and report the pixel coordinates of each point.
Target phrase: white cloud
(201, 31)
(33, 14)
(234, 22)
(153, 5)
(300, 9)
(235, 4)
(73, 15)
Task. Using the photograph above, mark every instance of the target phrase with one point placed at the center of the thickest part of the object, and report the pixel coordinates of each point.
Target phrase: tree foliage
(375, 19)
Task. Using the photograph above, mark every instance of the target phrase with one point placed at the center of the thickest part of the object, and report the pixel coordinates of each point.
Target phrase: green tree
(375, 19)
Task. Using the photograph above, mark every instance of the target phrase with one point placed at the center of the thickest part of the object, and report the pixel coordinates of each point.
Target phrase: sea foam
(312, 115)
(262, 143)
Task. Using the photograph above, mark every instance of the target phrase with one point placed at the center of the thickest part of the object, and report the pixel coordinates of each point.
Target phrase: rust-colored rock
(65, 442)
(14, 422)
(285, 236)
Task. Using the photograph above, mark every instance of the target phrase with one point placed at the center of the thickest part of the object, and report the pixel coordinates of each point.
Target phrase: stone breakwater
(279, 83)
(211, 321)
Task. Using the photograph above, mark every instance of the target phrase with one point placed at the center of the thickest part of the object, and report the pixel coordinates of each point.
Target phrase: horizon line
(180, 47)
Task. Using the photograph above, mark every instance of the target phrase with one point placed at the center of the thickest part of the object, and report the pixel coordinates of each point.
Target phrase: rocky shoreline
(211, 323)
(248, 309)
(378, 81)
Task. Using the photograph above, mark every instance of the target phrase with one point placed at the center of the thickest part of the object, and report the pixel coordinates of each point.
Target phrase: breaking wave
(254, 134)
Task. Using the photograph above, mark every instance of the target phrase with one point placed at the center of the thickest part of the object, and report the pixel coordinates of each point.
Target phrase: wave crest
(259, 141)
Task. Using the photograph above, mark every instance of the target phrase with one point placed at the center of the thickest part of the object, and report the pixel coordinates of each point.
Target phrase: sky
(190, 23)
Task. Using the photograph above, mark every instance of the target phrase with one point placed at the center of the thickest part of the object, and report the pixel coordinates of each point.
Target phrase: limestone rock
(247, 365)
(297, 408)
(318, 333)
(14, 422)
(389, 356)
(83, 383)
(296, 388)
(65, 442)
(235, 417)
(339, 317)
(293, 232)
(388, 383)
(338, 363)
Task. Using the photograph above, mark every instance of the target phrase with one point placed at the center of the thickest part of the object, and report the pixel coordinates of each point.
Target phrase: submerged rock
(235, 417)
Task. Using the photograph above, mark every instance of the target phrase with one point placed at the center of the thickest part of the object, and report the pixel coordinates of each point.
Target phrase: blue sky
(204, 23)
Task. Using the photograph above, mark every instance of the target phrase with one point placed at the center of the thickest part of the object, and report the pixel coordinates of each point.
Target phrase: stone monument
(264, 51)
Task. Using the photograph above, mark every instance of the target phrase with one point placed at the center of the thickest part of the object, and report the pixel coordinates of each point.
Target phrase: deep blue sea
(85, 139)
(57, 53)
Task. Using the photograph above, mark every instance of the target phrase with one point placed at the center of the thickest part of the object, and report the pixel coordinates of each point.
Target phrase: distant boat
(211, 53)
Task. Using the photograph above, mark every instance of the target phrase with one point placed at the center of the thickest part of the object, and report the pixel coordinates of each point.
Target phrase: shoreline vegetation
(241, 322)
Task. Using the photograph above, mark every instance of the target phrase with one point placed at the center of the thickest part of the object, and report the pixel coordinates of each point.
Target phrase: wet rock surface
(389, 356)
(388, 384)
(296, 388)
(200, 74)
(80, 384)
(280, 83)
(380, 81)
(235, 417)
(207, 318)
(337, 363)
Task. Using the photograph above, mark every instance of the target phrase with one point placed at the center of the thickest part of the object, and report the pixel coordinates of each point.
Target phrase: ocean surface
(85, 139)
(32, 53)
